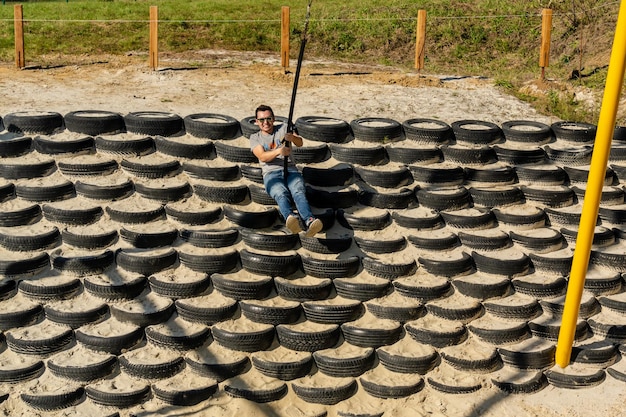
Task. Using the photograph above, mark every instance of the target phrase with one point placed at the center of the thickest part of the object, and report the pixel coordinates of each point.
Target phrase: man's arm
(293, 138)
(268, 156)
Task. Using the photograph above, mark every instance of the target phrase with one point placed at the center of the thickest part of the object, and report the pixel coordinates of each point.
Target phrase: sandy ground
(234, 85)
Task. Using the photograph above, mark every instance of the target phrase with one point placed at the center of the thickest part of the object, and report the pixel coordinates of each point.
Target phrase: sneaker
(314, 227)
(293, 224)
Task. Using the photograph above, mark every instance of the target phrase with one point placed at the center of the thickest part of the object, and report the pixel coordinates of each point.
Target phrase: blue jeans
(294, 191)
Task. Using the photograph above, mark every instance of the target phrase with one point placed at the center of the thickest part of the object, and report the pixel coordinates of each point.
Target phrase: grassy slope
(495, 38)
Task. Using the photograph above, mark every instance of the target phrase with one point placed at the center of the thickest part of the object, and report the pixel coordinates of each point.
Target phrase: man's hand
(293, 138)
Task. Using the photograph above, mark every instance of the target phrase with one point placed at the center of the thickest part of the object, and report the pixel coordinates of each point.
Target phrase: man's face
(265, 121)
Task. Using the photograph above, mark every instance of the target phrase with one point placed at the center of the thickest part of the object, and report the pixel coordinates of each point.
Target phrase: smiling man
(269, 145)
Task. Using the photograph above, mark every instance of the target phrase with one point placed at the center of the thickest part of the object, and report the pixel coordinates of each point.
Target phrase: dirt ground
(234, 84)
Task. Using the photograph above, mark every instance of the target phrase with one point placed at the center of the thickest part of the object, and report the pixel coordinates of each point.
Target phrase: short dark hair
(263, 107)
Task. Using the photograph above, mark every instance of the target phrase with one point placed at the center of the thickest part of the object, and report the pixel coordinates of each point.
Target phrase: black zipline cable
(290, 127)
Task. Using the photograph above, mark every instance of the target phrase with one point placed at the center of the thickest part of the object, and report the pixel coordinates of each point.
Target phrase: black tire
(515, 156)
(63, 190)
(332, 311)
(496, 196)
(337, 365)
(462, 155)
(94, 122)
(521, 382)
(364, 155)
(399, 199)
(380, 246)
(53, 401)
(153, 123)
(88, 166)
(438, 176)
(473, 218)
(235, 152)
(302, 291)
(104, 192)
(514, 307)
(325, 395)
(444, 199)
(26, 371)
(149, 238)
(184, 149)
(252, 172)
(488, 133)
(437, 240)
(488, 240)
(126, 337)
(76, 318)
(287, 369)
(31, 341)
(242, 286)
(401, 154)
(331, 268)
(16, 241)
(208, 262)
(202, 216)
(389, 269)
(49, 146)
(272, 265)
(373, 337)
(436, 287)
(323, 129)
(150, 169)
(285, 313)
(275, 242)
(207, 309)
(393, 177)
(391, 390)
(44, 123)
(116, 286)
(326, 245)
(428, 131)
(490, 176)
(244, 341)
(12, 145)
(574, 156)
(136, 261)
(574, 131)
(178, 335)
(212, 126)
(178, 394)
(29, 265)
(209, 238)
(414, 361)
(582, 379)
(354, 221)
(75, 217)
(376, 129)
(333, 199)
(529, 354)
(35, 169)
(83, 264)
(99, 366)
(162, 367)
(309, 154)
(134, 147)
(262, 395)
(124, 213)
(22, 315)
(309, 339)
(85, 239)
(122, 397)
(497, 265)
(445, 334)
(527, 131)
(336, 176)
(61, 288)
(205, 170)
(251, 219)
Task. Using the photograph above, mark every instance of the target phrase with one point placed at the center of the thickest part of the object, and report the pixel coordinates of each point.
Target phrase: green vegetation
(494, 38)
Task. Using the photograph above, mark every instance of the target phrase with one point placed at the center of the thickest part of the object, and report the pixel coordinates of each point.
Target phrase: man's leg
(295, 182)
(275, 187)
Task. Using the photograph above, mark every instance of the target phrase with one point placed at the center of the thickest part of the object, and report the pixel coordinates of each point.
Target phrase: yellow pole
(601, 150)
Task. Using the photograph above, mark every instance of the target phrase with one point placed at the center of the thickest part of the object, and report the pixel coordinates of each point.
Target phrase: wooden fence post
(154, 37)
(546, 29)
(420, 40)
(18, 24)
(284, 37)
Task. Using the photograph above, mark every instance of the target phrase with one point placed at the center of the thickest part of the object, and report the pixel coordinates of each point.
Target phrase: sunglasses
(265, 119)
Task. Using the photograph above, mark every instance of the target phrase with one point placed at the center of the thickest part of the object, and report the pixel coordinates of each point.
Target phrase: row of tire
(319, 128)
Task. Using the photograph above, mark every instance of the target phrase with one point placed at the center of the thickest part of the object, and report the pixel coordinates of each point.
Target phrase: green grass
(494, 38)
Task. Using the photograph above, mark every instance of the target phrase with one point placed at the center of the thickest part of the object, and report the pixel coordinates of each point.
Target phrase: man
(269, 146)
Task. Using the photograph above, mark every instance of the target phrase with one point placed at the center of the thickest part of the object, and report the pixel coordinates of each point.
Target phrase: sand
(234, 84)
